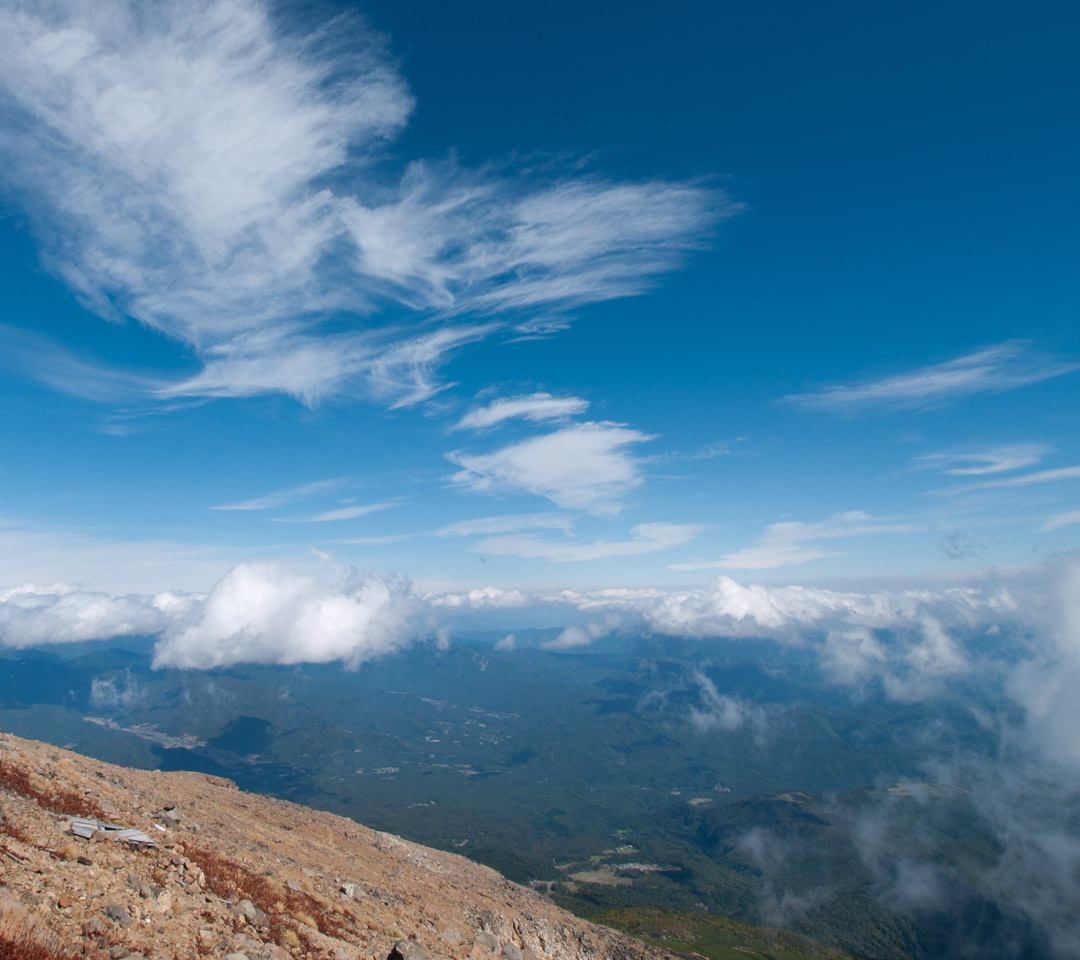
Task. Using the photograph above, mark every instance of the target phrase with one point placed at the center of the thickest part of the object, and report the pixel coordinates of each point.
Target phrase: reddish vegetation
(19, 949)
(279, 903)
(63, 802)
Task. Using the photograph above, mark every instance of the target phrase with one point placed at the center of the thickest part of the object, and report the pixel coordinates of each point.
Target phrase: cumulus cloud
(582, 467)
(482, 598)
(269, 613)
(993, 369)
(31, 615)
(257, 613)
(909, 642)
(204, 168)
(789, 543)
(534, 406)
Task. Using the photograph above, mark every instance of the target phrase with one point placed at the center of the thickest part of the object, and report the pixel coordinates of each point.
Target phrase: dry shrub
(26, 949)
(64, 802)
(230, 880)
(22, 937)
(13, 829)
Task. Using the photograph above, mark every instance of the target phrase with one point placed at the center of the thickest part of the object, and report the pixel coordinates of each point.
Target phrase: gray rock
(486, 940)
(141, 887)
(236, 956)
(118, 914)
(510, 951)
(452, 936)
(274, 952)
(407, 950)
(251, 913)
(353, 891)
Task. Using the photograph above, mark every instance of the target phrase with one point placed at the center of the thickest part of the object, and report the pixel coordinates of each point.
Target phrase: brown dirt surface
(245, 877)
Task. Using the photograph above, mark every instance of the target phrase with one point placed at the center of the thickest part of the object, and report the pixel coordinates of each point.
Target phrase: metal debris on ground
(86, 827)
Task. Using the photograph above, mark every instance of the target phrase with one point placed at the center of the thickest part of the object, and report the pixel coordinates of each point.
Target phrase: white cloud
(785, 544)
(401, 371)
(982, 462)
(1022, 630)
(718, 711)
(534, 407)
(644, 538)
(507, 523)
(33, 615)
(482, 598)
(1061, 520)
(574, 636)
(990, 370)
(582, 467)
(342, 513)
(107, 694)
(280, 498)
(1024, 480)
(197, 166)
(506, 644)
(269, 613)
(911, 641)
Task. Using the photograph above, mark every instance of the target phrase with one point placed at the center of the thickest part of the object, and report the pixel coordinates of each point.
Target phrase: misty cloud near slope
(1007, 650)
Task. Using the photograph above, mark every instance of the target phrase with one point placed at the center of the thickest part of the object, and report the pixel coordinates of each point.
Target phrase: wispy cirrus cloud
(205, 169)
(582, 467)
(342, 513)
(644, 538)
(795, 542)
(507, 523)
(993, 369)
(977, 463)
(1061, 520)
(401, 371)
(280, 498)
(535, 407)
(1024, 480)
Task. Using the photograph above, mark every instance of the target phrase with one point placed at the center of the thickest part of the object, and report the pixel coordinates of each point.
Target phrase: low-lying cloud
(268, 613)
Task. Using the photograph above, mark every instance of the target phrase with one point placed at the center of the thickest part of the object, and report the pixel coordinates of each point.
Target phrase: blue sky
(480, 295)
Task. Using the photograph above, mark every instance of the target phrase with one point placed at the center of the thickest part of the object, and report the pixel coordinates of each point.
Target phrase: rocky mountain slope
(245, 877)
